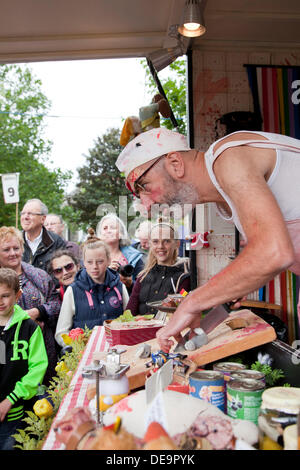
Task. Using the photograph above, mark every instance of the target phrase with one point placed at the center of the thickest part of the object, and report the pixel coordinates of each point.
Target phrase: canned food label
(212, 393)
(244, 404)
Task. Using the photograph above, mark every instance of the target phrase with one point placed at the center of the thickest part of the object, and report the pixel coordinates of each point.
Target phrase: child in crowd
(97, 294)
(164, 271)
(23, 358)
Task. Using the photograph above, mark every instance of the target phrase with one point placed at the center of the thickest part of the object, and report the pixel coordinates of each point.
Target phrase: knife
(213, 318)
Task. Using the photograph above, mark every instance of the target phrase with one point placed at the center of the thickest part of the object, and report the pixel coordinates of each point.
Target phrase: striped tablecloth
(78, 386)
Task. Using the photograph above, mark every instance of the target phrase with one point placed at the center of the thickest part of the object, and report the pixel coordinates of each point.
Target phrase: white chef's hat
(141, 152)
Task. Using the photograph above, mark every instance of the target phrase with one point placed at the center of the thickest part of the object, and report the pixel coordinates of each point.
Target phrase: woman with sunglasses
(97, 293)
(39, 296)
(63, 266)
(164, 271)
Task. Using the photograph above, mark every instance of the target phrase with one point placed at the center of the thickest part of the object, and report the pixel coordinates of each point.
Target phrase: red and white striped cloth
(78, 386)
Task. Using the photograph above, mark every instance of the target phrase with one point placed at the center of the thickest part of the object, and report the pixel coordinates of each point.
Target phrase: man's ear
(175, 165)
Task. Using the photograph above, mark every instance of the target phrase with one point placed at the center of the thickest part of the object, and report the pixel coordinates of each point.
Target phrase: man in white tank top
(253, 177)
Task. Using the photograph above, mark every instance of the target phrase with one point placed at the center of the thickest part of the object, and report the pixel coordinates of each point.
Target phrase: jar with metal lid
(279, 409)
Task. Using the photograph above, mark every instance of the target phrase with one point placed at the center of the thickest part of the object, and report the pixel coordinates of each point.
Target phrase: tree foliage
(100, 182)
(23, 147)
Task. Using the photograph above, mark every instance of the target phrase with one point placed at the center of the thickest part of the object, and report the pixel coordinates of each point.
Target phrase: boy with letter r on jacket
(23, 358)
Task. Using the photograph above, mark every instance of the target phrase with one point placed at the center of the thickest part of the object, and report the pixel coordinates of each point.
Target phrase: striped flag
(276, 98)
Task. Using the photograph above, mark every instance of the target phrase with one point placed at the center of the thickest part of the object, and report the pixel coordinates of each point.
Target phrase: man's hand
(5, 406)
(180, 321)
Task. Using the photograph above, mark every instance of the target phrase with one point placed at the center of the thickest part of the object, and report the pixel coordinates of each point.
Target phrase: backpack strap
(90, 298)
(117, 292)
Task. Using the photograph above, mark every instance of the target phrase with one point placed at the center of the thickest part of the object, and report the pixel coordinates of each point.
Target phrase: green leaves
(272, 375)
(174, 85)
(23, 148)
(37, 429)
(99, 180)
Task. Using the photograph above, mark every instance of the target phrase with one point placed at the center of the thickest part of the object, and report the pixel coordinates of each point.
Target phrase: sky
(88, 97)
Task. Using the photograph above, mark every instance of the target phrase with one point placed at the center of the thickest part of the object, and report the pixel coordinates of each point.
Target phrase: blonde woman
(39, 296)
(97, 294)
(111, 230)
(163, 270)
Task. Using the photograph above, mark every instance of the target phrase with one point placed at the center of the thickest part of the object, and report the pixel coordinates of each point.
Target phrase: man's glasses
(140, 187)
(67, 267)
(30, 214)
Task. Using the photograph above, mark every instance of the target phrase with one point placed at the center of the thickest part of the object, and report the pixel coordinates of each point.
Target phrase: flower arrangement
(44, 411)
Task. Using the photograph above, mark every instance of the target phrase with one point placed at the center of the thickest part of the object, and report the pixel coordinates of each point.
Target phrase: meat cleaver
(211, 320)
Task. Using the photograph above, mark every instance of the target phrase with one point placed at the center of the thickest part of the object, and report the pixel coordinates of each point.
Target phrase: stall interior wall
(220, 85)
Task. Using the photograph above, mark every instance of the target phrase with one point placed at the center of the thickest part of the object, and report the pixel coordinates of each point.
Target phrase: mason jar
(279, 409)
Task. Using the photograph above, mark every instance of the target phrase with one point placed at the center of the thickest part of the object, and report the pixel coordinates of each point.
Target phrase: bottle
(279, 409)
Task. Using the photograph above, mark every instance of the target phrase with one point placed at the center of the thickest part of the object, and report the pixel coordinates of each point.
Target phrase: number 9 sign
(10, 186)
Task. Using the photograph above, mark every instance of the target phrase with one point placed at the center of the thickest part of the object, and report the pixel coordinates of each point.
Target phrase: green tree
(174, 85)
(23, 147)
(100, 182)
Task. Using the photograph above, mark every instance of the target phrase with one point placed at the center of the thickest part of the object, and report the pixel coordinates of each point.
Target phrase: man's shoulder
(50, 238)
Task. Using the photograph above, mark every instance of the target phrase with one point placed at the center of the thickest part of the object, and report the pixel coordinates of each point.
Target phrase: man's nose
(146, 202)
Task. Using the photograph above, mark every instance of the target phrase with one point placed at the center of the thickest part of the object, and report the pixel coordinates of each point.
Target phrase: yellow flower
(61, 367)
(67, 339)
(43, 408)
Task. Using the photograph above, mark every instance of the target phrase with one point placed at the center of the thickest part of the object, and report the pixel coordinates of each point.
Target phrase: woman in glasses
(39, 296)
(97, 293)
(63, 266)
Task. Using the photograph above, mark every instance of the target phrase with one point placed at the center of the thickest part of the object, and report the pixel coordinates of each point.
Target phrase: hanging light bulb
(192, 24)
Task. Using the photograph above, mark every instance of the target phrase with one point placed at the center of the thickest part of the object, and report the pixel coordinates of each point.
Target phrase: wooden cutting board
(223, 342)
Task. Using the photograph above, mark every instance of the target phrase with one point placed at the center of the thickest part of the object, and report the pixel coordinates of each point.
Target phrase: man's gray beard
(180, 193)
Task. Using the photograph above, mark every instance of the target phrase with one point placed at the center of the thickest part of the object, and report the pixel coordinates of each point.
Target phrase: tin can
(249, 374)
(208, 386)
(227, 368)
(244, 399)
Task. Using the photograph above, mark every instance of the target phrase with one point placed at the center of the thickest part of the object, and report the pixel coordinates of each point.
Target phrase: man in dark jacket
(55, 223)
(39, 243)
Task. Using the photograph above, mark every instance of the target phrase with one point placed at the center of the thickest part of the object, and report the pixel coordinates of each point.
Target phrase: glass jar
(279, 409)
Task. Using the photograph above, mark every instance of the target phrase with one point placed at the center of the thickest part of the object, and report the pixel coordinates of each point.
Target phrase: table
(76, 395)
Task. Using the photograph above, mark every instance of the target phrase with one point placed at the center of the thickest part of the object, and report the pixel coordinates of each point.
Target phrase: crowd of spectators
(49, 285)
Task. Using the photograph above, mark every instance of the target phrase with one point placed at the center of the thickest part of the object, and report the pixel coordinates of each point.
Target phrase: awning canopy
(37, 30)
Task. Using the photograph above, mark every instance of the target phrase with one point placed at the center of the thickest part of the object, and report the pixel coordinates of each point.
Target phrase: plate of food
(169, 304)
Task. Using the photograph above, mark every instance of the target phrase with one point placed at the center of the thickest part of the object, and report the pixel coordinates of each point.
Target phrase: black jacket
(156, 286)
(49, 244)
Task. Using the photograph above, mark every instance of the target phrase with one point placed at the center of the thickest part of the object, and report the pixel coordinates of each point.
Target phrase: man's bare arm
(268, 251)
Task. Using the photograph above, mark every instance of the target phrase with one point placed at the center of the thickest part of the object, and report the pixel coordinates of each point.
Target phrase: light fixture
(161, 58)
(192, 24)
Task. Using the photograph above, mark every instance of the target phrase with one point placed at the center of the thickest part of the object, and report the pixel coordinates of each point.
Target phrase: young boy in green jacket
(23, 358)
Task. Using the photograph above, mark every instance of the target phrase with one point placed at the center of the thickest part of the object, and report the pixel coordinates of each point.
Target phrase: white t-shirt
(284, 181)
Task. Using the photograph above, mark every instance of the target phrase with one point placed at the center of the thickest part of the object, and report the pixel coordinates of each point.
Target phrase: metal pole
(191, 137)
(161, 90)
